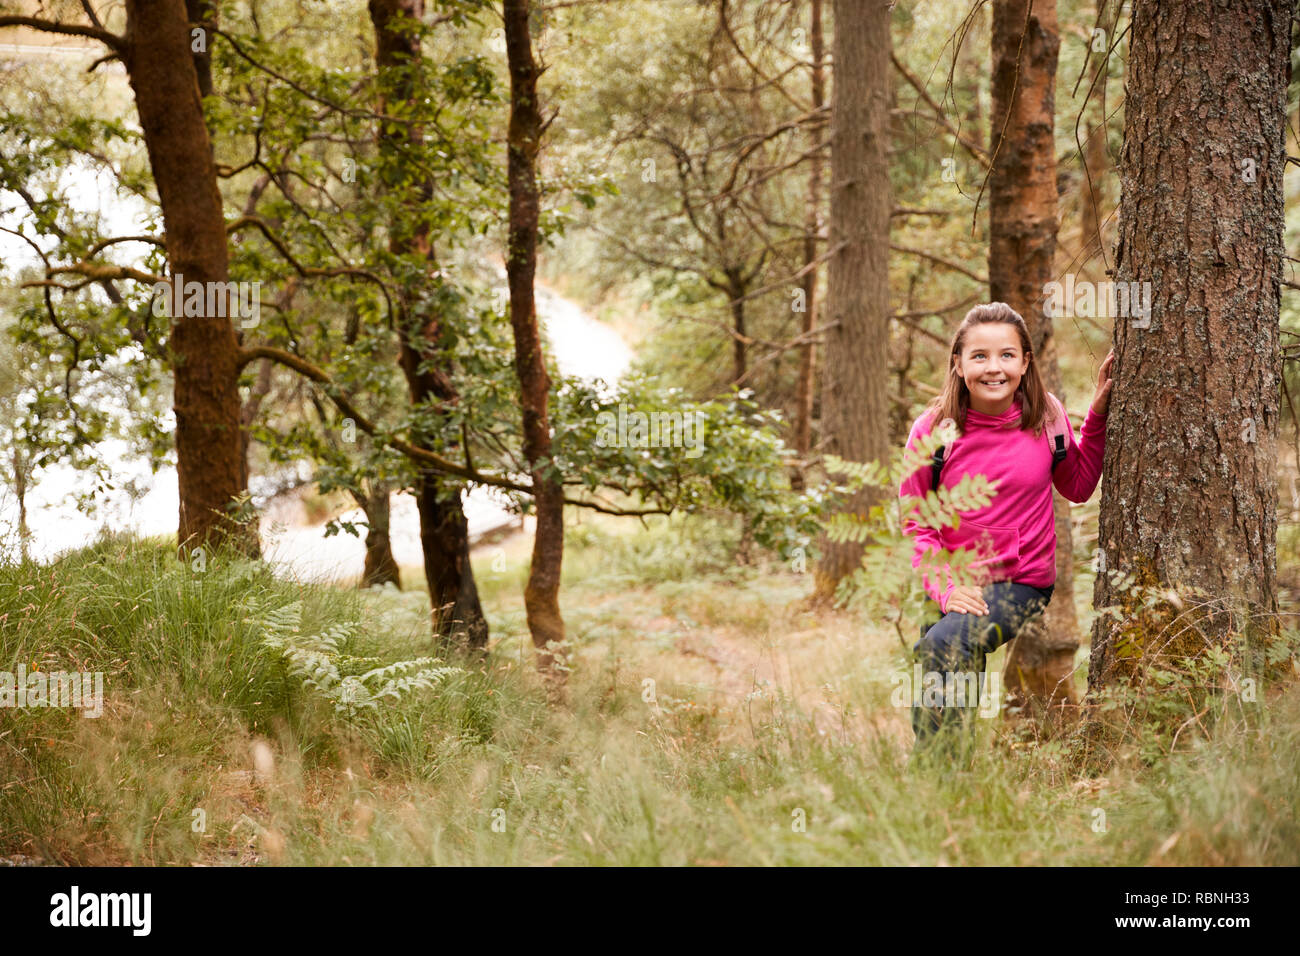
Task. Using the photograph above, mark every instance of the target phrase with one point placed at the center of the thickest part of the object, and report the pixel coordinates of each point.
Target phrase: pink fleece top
(1015, 535)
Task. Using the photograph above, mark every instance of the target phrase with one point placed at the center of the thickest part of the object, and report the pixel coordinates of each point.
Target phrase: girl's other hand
(968, 600)
(1101, 399)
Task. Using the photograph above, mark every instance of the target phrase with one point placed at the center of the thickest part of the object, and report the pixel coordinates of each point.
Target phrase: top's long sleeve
(1077, 476)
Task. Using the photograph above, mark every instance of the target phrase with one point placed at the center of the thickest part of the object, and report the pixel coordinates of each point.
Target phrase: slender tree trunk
(20, 492)
(457, 615)
(855, 388)
(210, 464)
(812, 228)
(1189, 487)
(372, 497)
(737, 341)
(541, 597)
(1022, 245)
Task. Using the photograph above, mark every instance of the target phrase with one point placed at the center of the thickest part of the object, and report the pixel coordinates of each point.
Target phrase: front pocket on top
(997, 550)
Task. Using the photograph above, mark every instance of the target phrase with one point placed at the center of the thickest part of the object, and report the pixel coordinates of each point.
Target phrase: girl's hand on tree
(967, 600)
(1101, 399)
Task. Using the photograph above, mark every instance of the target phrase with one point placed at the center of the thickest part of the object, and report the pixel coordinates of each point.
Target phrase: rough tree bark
(457, 614)
(1189, 493)
(812, 229)
(855, 399)
(541, 596)
(157, 51)
(1022, 245)
(209, 451)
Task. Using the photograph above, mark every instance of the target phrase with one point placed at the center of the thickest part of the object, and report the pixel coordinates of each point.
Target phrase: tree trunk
(202, 15)
(380, 567)
(1189, 494)
(20, 492)
(457, 615)
(855, 395)
(736, 292)
(541, 596)
(1022, 246)
(812, 228)
(210, 464)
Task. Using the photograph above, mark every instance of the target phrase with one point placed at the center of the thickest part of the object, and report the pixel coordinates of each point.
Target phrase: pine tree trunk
(209, 450)
(1189, 494)
(855, 400)
(1022, 245)
(812, 227)
(541, 596)
(456, 614)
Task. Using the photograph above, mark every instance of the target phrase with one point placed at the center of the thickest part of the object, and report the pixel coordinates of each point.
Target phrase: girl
(996, 397)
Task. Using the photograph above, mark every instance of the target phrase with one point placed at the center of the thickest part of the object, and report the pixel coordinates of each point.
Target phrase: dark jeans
(956, 647)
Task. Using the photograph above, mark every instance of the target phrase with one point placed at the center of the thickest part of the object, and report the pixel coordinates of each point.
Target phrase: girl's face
(992, 364)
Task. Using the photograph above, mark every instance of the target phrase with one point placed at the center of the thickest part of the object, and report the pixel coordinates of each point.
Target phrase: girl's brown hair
(954, 401)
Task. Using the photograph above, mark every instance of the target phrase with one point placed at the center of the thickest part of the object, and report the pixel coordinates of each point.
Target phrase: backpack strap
(1055, 440)
(1056, 433)
(936, 462)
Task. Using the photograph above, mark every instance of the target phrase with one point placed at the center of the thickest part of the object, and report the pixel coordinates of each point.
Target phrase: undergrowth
(713, 718)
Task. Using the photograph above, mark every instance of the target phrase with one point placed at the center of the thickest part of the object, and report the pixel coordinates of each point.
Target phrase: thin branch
(938, 260)
(976, 152)
(265, 228)
(414, 452)
(99, 272)
(775, 350)
(103, 244)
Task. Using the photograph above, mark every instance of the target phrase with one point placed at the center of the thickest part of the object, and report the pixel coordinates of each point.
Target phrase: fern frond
(317, 660)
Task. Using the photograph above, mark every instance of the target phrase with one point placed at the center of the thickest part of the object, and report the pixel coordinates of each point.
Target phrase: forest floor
(713, 718)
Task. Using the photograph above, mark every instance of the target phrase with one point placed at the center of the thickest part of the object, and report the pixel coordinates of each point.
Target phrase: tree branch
(111, 40)
(414, 452)
(980, 156)
(265, 228)
(946, 263)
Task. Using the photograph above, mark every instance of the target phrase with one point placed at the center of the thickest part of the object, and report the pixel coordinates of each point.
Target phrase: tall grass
(713, 719)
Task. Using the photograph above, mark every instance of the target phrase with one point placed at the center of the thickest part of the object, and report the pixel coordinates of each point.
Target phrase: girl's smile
(992, 365)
